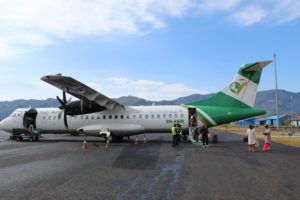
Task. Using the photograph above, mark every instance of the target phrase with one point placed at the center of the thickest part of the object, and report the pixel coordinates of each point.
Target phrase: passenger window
(175, 115)
(93, 117)
(128, 117)
(158, 116)
(140, 116)
(81, 117)
(133, 116)
(170, 115)
(54, 117)
(87, 117)
(146, 116)
(104, 116)
(116, 116)
(49, 117)
(122, 116)
(152, 116)
(164, 116)
(98, 116)
(181, 115)
(110, 116)
(44, 117)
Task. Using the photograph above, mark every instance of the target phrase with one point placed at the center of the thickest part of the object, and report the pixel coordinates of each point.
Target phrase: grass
(280, 136)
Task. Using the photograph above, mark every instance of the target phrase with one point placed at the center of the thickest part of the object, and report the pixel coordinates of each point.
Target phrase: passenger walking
(251, 138)
(179, 134)
(267, 135)
(204, 133)
(196, 134)
(174, 135)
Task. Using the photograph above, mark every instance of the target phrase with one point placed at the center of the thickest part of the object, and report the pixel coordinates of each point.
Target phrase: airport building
(250, 121)
(295, 121)
(273, 121)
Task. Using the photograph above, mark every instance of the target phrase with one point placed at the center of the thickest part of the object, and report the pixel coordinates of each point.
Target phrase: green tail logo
(236, 87)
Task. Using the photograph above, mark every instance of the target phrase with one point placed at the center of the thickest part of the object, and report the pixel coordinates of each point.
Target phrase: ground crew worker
(31, 128)
(174, 135)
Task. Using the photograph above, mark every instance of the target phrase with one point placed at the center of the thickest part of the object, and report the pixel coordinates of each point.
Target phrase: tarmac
(58, 168)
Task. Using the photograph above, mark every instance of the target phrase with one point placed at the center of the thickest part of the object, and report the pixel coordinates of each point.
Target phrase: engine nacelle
(82, 107)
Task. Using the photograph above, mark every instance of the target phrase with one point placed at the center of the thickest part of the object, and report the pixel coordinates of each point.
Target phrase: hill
(288, 102)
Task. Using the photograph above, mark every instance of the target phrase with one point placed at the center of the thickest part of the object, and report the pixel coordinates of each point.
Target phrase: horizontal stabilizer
(255, 66)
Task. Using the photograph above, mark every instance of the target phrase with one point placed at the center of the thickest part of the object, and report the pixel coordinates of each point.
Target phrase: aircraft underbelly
(116, 129)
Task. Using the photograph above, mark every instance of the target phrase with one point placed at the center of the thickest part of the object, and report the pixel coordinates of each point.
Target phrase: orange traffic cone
(136, 141)
(145, 141)
(107, 143)
(84, 145)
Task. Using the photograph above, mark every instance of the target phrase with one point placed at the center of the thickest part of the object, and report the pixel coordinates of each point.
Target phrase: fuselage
(129, 121)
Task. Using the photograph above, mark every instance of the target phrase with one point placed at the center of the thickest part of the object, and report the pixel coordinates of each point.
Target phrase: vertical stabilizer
(245, 85)
(241, 92)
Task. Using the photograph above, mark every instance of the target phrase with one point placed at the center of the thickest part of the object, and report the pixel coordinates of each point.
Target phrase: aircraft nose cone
(2, 125)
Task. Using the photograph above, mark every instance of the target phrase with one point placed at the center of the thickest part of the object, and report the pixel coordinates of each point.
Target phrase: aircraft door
(192, 117)
(193, 125)
(30, 118)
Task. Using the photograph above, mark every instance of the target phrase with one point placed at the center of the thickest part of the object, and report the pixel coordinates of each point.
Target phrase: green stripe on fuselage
(222, 115)
(203, 119)
(220, 99)
(224, 109)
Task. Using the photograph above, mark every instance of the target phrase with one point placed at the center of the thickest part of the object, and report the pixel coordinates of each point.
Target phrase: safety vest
(173, 129)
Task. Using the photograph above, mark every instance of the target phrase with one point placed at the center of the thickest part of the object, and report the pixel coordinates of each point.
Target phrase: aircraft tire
(36, 138)
(118, 138)
(110, 138)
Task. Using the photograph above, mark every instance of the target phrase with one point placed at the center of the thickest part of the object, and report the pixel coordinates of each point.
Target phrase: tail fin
(242, 91)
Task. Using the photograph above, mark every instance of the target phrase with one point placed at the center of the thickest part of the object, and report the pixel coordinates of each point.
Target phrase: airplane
(98, 115)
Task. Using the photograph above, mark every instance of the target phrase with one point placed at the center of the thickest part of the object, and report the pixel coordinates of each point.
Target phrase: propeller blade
(60, 101)
(64, 97)
(65, 120)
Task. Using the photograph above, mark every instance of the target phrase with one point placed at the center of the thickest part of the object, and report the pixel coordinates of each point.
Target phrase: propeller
(63, 108)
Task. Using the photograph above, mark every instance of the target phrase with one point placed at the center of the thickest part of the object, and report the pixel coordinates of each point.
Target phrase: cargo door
(30, 118)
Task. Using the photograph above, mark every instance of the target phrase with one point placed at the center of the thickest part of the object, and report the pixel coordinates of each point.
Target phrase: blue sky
(157, 50)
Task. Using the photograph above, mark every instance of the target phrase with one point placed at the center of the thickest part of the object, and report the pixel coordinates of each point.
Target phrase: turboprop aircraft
(96, 114)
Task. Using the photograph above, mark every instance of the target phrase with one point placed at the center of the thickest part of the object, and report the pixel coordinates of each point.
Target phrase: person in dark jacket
(204, 133)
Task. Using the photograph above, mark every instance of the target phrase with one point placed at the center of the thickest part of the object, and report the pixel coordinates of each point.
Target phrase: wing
(81, 91)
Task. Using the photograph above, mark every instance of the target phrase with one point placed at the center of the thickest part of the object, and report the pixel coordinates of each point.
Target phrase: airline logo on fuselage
(236, 87)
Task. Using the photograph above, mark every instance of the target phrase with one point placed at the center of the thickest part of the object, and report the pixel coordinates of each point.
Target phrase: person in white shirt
(251, 138)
